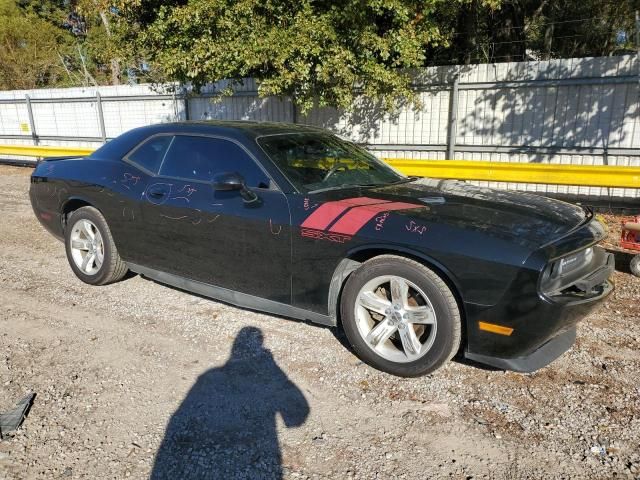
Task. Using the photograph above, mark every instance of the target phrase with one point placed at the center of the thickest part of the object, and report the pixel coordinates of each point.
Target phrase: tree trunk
(509, 37)
(548, 41)
(467, 25)
(116, 74)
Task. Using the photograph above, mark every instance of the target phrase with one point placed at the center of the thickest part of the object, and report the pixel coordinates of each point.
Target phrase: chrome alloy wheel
(395, 318)
(87, 247)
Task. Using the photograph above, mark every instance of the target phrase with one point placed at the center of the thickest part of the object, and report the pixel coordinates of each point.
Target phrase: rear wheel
(400, 317)
(90, 249)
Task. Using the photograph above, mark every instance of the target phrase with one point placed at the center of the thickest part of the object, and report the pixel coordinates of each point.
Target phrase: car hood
(526, 219)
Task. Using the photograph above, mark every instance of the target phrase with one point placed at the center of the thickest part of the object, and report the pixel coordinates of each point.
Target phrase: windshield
(317, 161)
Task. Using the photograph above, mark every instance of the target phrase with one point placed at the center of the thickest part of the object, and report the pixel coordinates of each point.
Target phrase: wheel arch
(112, 268)
(71, 205)
(361, 254)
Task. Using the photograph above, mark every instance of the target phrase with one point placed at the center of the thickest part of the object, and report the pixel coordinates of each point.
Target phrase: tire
(634, 265)
(430, 312)
(106, 266)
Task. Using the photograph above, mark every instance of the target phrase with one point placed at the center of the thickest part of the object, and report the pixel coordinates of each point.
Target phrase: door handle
(157, 192)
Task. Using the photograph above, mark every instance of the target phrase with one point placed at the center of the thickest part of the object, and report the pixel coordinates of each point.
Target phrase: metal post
(32, 123)
(103, 130)
(186, 107)
(638, 44)
(184, 94)
(453, 117)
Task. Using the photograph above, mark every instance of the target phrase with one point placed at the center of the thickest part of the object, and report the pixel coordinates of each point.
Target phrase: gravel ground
(137, 379)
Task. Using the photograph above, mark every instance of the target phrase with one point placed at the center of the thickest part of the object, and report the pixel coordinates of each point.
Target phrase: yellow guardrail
(555, 174)
(43, 151)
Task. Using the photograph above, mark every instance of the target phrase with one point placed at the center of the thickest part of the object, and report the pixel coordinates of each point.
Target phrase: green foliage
(55, 43)
(314, 51)
(323, 52)
(29, 53)
(327, 52)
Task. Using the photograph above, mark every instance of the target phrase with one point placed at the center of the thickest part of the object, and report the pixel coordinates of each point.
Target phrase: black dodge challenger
(295, 221)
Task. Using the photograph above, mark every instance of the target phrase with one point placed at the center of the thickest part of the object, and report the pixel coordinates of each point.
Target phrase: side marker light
(493, 328)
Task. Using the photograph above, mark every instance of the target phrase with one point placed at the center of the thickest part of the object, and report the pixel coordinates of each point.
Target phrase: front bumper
(543, 326)
(537, 359)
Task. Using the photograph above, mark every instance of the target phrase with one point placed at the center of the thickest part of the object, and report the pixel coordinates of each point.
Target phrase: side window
(149, 155)
(201, 158)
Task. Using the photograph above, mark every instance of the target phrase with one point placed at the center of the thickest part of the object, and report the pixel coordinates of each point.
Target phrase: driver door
(218, 237)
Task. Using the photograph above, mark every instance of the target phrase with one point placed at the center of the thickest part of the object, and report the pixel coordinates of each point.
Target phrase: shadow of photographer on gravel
(226, 426)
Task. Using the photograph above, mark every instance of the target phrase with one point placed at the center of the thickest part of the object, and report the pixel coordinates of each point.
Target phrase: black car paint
(491, 246)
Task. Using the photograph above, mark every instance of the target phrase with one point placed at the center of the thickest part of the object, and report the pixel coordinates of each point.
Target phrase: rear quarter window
(150, 153)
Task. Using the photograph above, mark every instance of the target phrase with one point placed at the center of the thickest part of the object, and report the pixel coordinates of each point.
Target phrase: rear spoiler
(54, 159)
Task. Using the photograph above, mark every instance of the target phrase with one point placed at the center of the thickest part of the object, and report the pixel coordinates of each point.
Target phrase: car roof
(234, 129)
(229, 127)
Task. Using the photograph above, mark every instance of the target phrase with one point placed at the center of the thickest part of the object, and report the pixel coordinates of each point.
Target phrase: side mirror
(228, 181)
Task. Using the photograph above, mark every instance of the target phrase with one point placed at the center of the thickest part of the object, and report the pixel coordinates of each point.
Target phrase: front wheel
(400, 317)
(90, 249)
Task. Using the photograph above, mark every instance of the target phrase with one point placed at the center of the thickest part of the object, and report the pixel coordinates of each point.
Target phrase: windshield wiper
(403, 180)
(335, 187)
(362, 185)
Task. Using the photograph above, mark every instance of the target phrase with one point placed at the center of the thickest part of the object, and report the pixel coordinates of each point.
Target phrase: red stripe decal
(326, 213)
(356, 218)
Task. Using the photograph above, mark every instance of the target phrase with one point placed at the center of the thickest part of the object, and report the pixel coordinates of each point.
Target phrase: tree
(519, 30)
(323, 52)
(77, 32)
(29, 49)
(104, 40)
(581, 28)
(327, 52)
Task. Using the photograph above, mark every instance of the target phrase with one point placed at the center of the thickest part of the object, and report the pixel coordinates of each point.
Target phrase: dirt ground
(138, 379)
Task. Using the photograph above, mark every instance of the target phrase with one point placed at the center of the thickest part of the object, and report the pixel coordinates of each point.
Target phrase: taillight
(559, 269)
